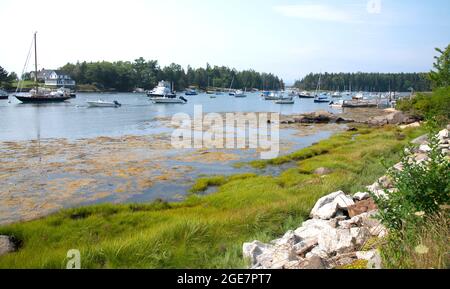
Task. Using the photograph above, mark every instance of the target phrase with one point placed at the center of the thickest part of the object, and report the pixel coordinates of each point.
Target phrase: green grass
(207, 231)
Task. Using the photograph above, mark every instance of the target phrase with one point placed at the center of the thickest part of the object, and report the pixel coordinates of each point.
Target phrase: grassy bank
(208, 231)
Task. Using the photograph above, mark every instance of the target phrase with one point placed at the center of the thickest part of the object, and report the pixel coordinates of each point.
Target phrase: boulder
(310, 230)
(282, 255)
(333, 241)
(424, 148)
(412, 125)
(329, 206)
(314, 262)
(317, 251)
(289, 238)
(362, 207)
(374, 260)
(304, 247)
(443, 135)
(420, 140)
(6, 245)
(361, 196)
(421, 157)
(323, 171)
(252, 250)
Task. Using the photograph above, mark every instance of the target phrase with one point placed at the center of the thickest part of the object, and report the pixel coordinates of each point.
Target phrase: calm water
(74, 119)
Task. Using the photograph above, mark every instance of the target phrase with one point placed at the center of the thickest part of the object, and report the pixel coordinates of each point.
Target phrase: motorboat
(191, 92)
(163, 89)
(358, 96)
(336, 104)
(101, 103)
(3, 94)
(232, 93)
(336, 94)
(170, 100)
(305, 94)
(239, 93)
(273, 96)
(322, 98)
(289, 100)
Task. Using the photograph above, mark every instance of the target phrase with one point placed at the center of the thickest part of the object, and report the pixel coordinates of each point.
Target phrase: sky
(290, 38)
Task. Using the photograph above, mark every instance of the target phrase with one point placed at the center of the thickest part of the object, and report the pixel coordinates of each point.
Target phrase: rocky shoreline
(343, 230)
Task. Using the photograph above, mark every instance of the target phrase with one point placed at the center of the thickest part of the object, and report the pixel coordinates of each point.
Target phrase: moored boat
(39, 95)
(101, 103)
(289, 100)
(3, 94)
(169, 100)
(163, 89)
(239, 93)
(305, 94)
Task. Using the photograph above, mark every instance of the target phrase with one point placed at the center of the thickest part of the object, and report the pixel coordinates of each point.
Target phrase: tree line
(126, 76)
(6, 79)
(367, 81)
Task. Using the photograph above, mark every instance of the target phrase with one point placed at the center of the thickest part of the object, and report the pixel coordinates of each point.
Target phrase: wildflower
(421, 249)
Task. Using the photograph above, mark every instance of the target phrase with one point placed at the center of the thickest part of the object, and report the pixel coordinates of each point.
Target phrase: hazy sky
(286, 37)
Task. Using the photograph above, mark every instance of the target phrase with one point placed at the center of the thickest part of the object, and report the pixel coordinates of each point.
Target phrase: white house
(55, 78)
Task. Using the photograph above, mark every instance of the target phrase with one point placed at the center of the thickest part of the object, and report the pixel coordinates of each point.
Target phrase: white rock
(310, 230)
(360, 235)
(336, 241)
(253, 250)
(289, 238)
(366, 255)
(443, 134)
(375, 262)
(282, 255)
(6, 245)
(305, 246)
(361, 196)
(317, 252)
(327, 207)
(414, 124)
(424, 148)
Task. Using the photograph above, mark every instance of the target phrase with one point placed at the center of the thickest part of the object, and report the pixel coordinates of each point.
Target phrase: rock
(362, 207)
(396, 117)
(385, 182)
(289, 238)
(360, 235)
(443, 134)
(310, 230)
(6, 245)
(333, 241)
(352, 129)
(372, 257)
(420, 158)
(313, 263)
(304, 247)
(317, 251)
(424, 148)
(398, 167)
(282, 255)
(420, 140)
(323, 171)
(327, 207)
(361, 196)
(253, 250)
(414, 124)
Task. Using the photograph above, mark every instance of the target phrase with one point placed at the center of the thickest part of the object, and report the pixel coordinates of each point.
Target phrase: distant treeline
(126, 76)
(367, 81)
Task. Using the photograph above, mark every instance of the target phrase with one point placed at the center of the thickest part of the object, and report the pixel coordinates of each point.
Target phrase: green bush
(427, 105)
(420, 187)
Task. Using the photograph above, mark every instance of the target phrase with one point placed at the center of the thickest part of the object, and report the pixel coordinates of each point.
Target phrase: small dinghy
(289, 100)
(101, 103)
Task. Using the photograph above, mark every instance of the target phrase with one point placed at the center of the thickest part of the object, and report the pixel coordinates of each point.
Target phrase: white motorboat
(273, 96)
(239, 93)
(164, 89)
(170, 100)
(101, 103)
(289, 100)
(336, 94)
(358, 96)
(337, 104)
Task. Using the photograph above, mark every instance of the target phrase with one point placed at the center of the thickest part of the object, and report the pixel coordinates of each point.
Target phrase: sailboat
(39, 95)
(320, 97)
(240, 93)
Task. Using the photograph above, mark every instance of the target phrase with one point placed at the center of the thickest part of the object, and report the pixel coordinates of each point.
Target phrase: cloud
(316, 12)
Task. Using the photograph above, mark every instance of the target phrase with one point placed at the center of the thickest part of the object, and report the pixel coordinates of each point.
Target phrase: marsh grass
(207, 231)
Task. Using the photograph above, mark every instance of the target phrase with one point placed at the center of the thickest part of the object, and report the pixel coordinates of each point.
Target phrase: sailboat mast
(35, 63)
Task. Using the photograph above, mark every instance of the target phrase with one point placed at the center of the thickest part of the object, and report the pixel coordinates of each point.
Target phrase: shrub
(420, 187)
